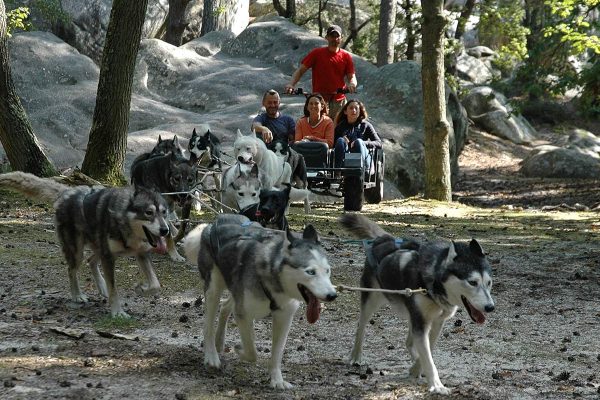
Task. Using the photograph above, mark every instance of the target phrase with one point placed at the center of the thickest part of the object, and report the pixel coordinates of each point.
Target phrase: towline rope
(406, 292)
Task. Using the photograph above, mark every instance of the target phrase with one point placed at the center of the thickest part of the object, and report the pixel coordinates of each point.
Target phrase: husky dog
(269, 212)
(206, 146)
(454, 274)
(272, 171)
(162, 148)
(282, 149)
(266, 273)
(169, 174)
(205, 152)
(241, 186)
(299, 178)
(110, 221)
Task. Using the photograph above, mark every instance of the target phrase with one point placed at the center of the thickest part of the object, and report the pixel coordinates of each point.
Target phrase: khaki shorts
(335, 107)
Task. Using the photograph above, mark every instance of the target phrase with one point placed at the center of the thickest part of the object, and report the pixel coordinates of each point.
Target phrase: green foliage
(51, 10)
(566, 31)
(16, 20)
(500, 28)
(116, 323)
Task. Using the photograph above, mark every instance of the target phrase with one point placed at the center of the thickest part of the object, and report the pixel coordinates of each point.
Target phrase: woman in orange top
(315, 126)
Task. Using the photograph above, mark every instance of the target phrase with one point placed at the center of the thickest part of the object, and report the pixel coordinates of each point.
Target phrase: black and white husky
(266, 272)
(110, 221)
(454, 274)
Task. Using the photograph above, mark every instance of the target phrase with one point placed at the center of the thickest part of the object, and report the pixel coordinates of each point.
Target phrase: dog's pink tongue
(161, 246)
(313, 309)
(478, 315)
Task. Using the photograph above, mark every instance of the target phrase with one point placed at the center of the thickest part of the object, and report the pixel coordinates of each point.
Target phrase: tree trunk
(108, 136)
(464, 18)
(290, 9)
(176, 22)
(387, 23)
(353, 29)
(278, 7)
(218, 15)
(411, 36)
(437, 129)
(16, 134)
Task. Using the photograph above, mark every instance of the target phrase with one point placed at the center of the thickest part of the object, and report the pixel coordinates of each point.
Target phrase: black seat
(315, 153)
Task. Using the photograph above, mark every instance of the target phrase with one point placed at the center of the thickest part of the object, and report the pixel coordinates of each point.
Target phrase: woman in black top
(353, 133)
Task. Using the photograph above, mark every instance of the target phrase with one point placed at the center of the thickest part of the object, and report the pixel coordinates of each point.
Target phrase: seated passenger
(315, 126)
(353, 133)
(272, 124)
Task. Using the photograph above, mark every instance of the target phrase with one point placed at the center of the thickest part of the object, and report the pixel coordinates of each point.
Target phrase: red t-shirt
(328, 71)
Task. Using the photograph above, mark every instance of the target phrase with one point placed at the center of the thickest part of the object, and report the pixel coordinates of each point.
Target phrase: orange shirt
(322, 132)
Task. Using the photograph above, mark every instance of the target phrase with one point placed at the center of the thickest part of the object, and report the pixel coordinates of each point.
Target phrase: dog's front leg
(282, 321)
(151, 286)
(421, 343)
(114, 301)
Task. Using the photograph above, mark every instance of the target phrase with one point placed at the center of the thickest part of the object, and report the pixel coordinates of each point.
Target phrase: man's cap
(334, 28)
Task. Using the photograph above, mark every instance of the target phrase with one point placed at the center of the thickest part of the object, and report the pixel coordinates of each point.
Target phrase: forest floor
(542, 342)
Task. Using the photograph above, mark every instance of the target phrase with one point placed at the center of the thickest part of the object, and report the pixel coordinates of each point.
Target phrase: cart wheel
(374, 195)
(353, 193)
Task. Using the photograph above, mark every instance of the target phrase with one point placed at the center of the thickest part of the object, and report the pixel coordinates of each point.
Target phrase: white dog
(248, 149)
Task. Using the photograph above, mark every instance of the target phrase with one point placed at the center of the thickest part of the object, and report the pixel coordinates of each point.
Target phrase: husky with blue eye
(455, 274)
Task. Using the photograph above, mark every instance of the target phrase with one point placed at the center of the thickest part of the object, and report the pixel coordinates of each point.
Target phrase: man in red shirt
(330, 65)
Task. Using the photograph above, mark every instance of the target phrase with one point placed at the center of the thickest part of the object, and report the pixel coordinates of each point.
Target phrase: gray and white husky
(454, 274)
(110, 221)
(266, 272)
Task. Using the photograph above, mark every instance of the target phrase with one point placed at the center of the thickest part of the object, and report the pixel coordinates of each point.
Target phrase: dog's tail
(33, 186)
(361, 226)
(191, 243)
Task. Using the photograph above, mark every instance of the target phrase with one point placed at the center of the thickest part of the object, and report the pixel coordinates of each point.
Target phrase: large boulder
(491, 111)
(559, 162)
(216, 81)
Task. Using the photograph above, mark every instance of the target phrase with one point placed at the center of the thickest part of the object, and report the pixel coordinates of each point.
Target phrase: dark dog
(111, 222)
(270, 211)
(283, 150)
(168, 174)
(205, 149)
(162, 148)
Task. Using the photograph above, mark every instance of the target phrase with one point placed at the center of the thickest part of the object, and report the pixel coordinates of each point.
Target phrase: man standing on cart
(331, 66)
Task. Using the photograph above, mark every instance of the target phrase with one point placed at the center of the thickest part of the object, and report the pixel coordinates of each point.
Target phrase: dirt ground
(542, 342)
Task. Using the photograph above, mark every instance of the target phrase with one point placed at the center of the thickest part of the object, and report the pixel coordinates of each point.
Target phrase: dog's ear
(207, 135)
(254, 171)
(476, 248)
(194, 132)
(238, 135)
(175, 140)
(310, 234)
(451, 253)
(159, 139)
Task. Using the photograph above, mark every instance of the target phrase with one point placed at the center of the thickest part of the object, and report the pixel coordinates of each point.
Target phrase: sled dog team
(266, 271)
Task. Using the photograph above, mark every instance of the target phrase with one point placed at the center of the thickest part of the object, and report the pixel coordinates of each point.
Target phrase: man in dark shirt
(272, 124)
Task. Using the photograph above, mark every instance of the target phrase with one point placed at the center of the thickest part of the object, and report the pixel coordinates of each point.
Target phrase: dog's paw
(279, 383)
(79, 298)
(212, 361)
(175, 256)
(415, 370)
(143, 289)
(119, 313)
(439, 389)
(245, 355)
